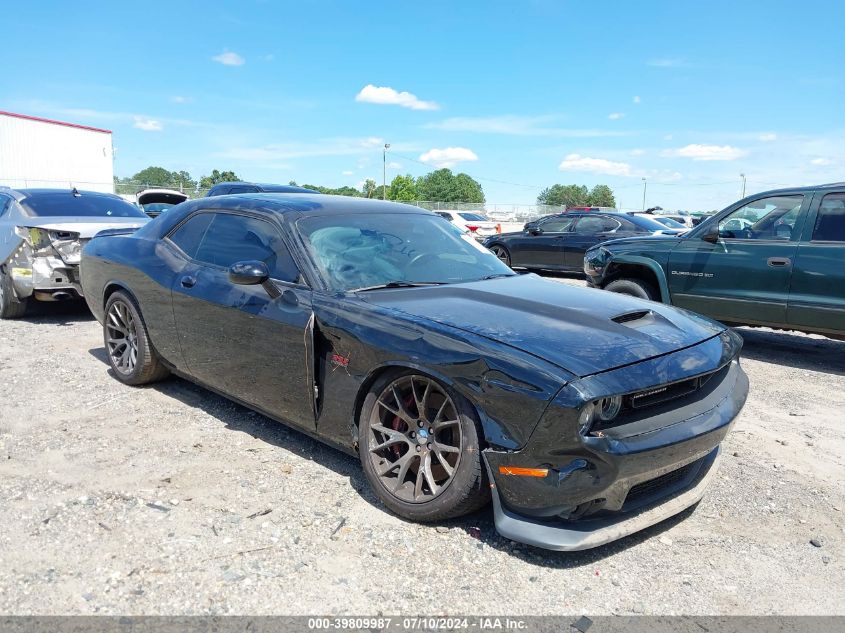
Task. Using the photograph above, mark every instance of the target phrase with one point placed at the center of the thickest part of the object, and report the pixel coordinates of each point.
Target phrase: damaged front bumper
(45, 265)
(588, 490)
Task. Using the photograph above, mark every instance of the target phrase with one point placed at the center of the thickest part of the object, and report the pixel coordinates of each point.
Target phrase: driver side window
(772, 218)
(556, 225)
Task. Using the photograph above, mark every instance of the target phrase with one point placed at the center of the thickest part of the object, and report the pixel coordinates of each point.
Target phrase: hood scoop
(634, 319)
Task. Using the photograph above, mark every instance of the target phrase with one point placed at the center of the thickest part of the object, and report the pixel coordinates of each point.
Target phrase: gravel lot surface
(172, 500)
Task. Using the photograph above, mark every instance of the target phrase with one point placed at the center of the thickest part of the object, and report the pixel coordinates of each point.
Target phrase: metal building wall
(40, 153)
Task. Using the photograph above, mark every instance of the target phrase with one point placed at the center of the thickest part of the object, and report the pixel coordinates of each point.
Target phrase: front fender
(653, 266)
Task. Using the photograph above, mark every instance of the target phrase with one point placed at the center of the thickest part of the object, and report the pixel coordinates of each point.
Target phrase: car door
(740, 275)
(817, 287)
(544, 246)
(588, 231)
(238, 339)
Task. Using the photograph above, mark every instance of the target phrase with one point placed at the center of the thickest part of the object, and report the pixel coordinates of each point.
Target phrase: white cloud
(667, 62)
(394, 165)
(637, 99)
(147, 124)
(767, 137)
(517, 126)
(448, 156)
(637, 152)
(269, 57)
(576, 162)
(228, 58)
(615, 116)
(696, 151)
(347, 173)
(388, 96)
(668, 137)
(181, 99)
(821, 162)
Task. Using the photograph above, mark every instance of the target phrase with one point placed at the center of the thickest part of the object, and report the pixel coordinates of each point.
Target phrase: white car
(480, 227)
(42, 233)
(156, 201)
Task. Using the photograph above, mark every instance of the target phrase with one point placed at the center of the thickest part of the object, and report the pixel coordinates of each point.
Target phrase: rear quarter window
(830, 221)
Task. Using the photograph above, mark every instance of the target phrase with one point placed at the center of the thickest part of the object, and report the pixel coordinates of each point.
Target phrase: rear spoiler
(111, 232)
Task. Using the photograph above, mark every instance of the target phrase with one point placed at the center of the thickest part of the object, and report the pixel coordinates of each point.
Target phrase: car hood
(581, 330)
(662, 238)
(87, 227)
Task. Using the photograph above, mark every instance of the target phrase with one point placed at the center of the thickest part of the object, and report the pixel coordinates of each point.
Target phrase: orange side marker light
(523, 472)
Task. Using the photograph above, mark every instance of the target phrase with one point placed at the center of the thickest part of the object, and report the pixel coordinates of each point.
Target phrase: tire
(634, 287)
(415, 454)
(502, 253)
(9, 307)
(131, 355)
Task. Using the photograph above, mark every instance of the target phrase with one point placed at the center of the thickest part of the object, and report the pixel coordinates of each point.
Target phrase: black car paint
(308, 357)
(561, 251)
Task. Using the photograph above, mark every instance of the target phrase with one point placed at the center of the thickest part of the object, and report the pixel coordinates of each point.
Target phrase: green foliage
(602, 196)
(577, 196)
(442, 185)
(154, 177)
(369, 189)
(206, 182)
(403, 188)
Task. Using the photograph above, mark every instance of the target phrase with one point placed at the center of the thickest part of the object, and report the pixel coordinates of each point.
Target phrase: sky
(519, 95)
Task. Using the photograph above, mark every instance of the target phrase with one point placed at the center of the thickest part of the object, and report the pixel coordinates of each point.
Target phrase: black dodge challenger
(380, 329)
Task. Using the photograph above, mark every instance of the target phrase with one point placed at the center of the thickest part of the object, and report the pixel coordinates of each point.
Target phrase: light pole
(743, 186)
(645, 184)
(384, 171)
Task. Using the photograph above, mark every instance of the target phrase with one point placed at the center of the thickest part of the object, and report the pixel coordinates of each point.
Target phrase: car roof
(270, 187)
(32, 193)
(807, 189)
(306, 204)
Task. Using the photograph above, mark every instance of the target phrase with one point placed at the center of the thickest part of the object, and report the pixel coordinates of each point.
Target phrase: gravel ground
(172, 500)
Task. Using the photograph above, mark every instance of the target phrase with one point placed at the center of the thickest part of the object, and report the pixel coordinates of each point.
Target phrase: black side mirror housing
(712, 235)
(535, 230)
(248, 273)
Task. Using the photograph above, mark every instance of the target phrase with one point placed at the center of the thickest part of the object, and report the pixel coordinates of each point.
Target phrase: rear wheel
(502, 253)
(635, 288)
(128, 347)
(419, 448)
(10, 307)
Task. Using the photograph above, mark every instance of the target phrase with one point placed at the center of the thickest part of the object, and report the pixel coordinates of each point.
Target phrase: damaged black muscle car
(382, 330)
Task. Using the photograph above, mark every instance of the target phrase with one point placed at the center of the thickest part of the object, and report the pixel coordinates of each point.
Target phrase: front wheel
(131, 356)
(419, 448)
(634, 287)
(502, 253)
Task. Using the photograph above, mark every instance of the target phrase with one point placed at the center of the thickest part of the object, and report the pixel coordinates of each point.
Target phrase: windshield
(359, 251)
(647, 223)
(157, 207)
(473, 217)
(65, 204)
(672, 224)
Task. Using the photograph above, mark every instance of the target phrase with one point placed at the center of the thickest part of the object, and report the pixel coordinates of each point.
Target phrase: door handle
(188, 281)
(779, 262)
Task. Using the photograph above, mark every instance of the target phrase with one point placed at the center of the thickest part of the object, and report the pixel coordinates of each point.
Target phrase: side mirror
(249, 273)
(535, 230)
(712, 235)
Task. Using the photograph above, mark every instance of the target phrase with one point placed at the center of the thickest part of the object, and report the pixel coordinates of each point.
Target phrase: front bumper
(588, 533)
(608, 484)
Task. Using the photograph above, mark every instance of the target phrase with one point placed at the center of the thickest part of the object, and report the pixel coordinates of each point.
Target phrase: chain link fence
(500, 212)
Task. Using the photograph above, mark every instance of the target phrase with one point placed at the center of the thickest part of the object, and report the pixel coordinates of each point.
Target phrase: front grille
(654, 486)
(665, 393)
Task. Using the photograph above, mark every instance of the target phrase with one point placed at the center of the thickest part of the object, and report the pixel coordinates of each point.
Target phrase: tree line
(440, 185)
(577, 196)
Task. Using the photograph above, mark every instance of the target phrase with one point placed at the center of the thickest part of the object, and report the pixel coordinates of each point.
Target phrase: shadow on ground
(478, 525)
(57, 313)
(794, 350)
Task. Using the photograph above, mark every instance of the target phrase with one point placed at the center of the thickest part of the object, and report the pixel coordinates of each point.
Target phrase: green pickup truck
(775, 259)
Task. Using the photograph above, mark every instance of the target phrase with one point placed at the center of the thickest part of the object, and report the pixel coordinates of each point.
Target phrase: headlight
(37, 238)
(608, 408)
(585, 420)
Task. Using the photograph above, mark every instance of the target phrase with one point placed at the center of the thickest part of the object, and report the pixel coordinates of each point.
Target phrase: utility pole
(384, 171)
(743, 186)
(644, 188)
